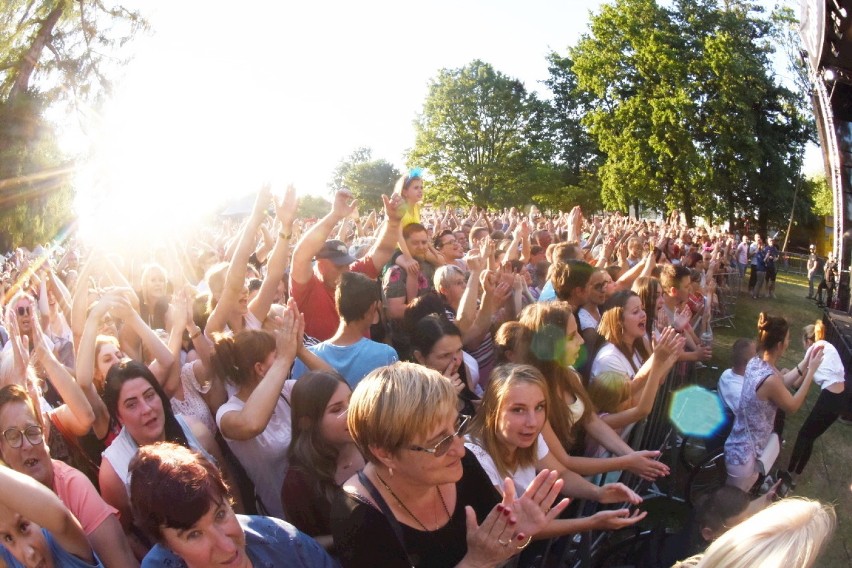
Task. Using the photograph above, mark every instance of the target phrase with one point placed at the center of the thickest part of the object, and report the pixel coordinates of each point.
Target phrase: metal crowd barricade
(727, 291)
(655, 432)
(792, 263)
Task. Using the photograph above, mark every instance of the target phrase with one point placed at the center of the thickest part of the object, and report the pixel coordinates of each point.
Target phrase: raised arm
(285, 213)
(76, 414)
(36, 503)
(236, 277)
(253, 418)
(85, 365)
(386, 240)
(311, 242)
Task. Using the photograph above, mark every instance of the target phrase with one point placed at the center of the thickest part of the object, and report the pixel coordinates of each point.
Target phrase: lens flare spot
(696, 411)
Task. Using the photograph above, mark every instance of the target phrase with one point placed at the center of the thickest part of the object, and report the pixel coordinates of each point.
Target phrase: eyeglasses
(15, 437)
(24, 310)
(443, 446)
(449, 242)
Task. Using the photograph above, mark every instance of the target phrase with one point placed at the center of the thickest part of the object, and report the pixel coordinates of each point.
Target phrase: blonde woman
(790, 533)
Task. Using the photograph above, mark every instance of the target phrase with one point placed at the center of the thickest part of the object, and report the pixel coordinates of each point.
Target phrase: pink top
(78, 494)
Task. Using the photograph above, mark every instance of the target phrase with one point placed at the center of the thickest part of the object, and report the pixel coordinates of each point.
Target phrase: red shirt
(316, 300)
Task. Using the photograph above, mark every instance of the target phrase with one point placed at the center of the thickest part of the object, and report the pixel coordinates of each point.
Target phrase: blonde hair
(392, 405)
(819, 330)
(611, 327)
(547, 323)
(609, 390)
(789, 533)
(486, 423)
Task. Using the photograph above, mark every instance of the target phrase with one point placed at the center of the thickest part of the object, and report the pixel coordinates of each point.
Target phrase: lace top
(754, 418)
(192, 403)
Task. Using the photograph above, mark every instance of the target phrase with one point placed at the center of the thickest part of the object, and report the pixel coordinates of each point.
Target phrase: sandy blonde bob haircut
(790, 533)
(394, 405)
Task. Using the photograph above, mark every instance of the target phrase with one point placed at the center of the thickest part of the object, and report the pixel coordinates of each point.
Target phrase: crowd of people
(419, 386)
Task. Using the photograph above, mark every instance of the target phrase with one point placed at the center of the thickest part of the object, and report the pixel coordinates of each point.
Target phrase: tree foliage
(311, 206)
(51, 52)
(686, 110)
(366, 178)
(820, 194)
(479, 135)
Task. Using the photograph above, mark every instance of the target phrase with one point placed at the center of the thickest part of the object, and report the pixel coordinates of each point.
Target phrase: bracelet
(195, 333)
(526, 544)
(798, 370)
(283, 236)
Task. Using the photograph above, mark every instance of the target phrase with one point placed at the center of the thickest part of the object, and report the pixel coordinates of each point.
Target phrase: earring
(390, 471)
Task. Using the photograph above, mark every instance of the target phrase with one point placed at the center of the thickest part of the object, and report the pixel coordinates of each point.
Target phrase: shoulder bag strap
(383, 507)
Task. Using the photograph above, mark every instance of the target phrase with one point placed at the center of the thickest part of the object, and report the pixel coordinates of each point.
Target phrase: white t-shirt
(264, 457)
(522, 477)
(730, 388)
(831, 370)
(586, 320)
(610, 358)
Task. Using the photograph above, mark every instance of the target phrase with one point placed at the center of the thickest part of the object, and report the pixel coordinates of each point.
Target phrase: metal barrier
(656, 432)
(727, 291)
(793, 263)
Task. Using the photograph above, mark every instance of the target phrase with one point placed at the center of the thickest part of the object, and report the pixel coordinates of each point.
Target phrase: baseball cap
(336, 251)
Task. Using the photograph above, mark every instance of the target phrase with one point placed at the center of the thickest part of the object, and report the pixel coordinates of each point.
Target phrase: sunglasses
(23, 310)
(601, 285)
(444, 445)
(15, 437)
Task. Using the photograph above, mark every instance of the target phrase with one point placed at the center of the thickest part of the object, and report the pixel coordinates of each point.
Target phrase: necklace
(407, 510)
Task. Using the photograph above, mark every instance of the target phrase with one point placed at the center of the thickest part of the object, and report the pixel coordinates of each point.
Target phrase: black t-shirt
(364, 538)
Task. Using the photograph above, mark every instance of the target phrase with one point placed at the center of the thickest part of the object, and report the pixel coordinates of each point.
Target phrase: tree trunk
(687, 206)
(30, 59)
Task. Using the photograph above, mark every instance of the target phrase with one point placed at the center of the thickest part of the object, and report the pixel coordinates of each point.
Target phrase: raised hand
(261, 202)
(494, 541)
(20, 350)
(535, 509)
(393, 207)
(287, 338)
(343, 204)
(285, 208)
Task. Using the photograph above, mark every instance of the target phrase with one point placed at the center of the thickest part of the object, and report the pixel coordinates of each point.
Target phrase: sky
(216, 101)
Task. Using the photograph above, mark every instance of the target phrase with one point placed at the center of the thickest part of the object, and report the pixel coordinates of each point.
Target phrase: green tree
(51, 52)
(574, 152)
(312, 206)
(687, 111)
(479, 135)
(365, 177)
(820, 194)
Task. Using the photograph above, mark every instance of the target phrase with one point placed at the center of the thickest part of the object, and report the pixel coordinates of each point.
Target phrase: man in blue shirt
(350, 351)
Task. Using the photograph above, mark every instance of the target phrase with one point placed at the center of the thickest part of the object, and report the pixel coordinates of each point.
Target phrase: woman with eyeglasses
(421, 500)
(24, 449)
(322, 454)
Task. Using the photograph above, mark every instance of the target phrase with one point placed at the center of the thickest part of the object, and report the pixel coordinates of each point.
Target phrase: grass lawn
(828, 476)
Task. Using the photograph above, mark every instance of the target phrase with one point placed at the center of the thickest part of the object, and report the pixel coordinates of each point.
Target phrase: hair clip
(415, 173)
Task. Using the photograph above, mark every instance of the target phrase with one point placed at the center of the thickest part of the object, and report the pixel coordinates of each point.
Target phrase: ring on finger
(503, 543)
